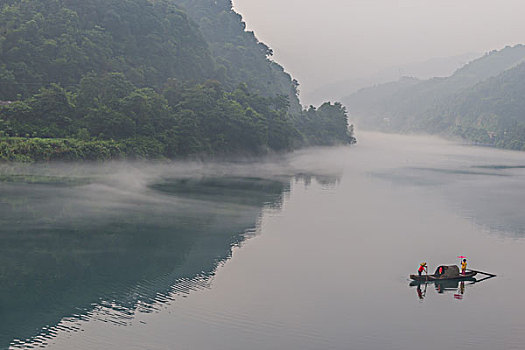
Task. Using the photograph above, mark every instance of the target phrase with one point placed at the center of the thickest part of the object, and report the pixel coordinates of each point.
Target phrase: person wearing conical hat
(422, 267)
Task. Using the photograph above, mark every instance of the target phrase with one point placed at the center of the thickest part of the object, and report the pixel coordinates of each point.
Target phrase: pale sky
(320, 42)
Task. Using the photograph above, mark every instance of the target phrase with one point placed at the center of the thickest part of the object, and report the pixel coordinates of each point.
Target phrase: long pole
(483, 273)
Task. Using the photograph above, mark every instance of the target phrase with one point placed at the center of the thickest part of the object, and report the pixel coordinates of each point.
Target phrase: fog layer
(326, 265)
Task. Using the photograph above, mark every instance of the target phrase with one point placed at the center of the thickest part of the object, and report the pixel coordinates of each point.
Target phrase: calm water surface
(308, 251)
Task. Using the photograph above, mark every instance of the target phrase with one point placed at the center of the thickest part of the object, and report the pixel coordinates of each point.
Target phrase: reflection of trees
(323, 180)
(65, 250)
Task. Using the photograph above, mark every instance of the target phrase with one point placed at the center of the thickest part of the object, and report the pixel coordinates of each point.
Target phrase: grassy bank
(47, 149)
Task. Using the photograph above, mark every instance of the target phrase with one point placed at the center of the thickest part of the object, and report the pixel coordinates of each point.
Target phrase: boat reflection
(458, 287)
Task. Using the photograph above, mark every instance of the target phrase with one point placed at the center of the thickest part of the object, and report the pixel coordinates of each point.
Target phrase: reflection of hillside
(66, 250)
(323, 180)
(238, 190)
(472, 190)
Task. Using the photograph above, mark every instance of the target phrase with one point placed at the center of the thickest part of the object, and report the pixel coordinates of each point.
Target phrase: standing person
(422, 267)
(464, 266)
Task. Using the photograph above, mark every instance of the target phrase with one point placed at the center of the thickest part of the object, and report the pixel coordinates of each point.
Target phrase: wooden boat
(423, 278)
(444, 273)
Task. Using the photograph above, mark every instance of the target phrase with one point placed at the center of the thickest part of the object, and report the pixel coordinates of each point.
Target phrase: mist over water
(306, 251)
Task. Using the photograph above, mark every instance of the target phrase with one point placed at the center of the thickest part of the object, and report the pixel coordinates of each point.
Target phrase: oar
(483, 273)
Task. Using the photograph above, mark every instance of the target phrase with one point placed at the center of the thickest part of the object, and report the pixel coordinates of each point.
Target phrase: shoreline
(16, 150)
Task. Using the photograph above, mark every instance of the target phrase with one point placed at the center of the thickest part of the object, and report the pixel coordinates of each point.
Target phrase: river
(310, 250)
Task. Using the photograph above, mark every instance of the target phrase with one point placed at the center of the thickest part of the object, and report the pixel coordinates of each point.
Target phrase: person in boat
(422, 267)
(463, 266)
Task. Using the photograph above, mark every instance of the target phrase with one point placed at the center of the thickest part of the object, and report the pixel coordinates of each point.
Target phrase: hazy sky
(319, 42)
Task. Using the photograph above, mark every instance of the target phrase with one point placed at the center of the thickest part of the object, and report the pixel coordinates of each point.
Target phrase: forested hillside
(139, 78)
(480, 102)
(491, 113)
(237, 52)
(60, 41)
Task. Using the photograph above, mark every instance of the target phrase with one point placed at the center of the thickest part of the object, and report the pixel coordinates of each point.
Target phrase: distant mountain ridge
(479, 102)
(434, 67)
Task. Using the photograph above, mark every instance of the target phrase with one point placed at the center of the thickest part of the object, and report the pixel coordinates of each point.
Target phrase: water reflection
(326, 181)
(56, 263)
(473, 192)
(500, 167)
(73, 248)
(455, 287)
(297, 285)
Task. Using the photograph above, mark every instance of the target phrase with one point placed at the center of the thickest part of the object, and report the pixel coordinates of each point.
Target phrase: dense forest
(481, 102)
(100, 79)
(238, 53)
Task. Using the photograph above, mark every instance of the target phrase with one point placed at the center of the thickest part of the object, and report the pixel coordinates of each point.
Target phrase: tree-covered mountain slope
(492, 112)
(406, 105)
(144, 78)
(238, 53)
(60, 41)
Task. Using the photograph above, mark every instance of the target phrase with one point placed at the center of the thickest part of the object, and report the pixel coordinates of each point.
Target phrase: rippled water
(307, 251)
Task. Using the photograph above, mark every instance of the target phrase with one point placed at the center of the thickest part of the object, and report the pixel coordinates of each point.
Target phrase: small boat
(443, 273)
